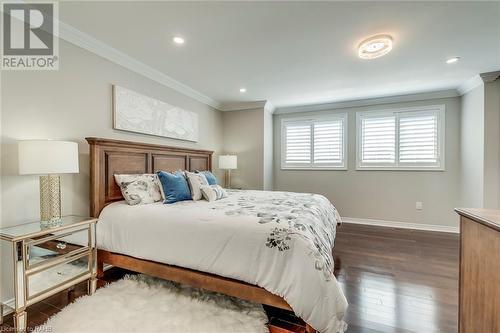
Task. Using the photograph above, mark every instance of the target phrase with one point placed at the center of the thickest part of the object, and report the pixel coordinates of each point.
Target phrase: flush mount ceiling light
(243, 90)
(375, 46)
(452, 60)
(178, 40)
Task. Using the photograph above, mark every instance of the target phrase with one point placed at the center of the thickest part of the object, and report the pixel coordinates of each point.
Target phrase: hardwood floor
(398, 280)
(395, 280)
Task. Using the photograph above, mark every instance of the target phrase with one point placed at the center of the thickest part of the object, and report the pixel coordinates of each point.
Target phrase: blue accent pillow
(212, 180)
(175, 186)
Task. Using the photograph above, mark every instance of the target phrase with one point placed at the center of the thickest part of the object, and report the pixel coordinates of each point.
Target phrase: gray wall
(244, 136)
(268, 162)
(249, 135)
(71, 104)
(492, 144)
(382, 195)
(471, 148)
(480, 147)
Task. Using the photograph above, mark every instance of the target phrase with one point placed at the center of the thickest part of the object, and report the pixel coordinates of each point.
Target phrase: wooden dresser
(479, 300)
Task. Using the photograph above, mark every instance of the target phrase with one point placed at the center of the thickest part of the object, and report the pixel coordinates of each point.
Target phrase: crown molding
(239, 106)
(369, 101)
(89, 43)
(478, 80)
(470, 84)
(269, 107)
(490, 76)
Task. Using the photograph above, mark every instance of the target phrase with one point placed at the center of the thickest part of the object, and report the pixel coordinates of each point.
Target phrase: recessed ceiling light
(178, 40)
(375, 46)
(243, 90)
(452, 60)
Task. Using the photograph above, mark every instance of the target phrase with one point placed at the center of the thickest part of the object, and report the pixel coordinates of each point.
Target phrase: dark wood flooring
(399, 280)
(395, 280)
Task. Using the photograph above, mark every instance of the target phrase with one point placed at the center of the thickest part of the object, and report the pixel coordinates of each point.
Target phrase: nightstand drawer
(52, 277)
(56, 247)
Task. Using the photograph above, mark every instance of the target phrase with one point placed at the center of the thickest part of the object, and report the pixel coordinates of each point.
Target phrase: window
(314, 143)
(408, 139)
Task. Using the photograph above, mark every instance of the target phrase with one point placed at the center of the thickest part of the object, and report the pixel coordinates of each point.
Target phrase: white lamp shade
(228, 162)
(42, 157)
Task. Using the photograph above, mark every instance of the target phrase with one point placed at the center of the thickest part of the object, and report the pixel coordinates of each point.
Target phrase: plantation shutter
(378, 140)
(298, 144)
(410, 139)
(328, 142)
(418, 138)
(314, 143)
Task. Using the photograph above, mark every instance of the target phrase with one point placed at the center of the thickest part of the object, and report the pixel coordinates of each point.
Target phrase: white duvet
(280, 241)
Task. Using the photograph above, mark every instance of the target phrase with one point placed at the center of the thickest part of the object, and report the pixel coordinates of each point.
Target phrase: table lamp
(48, 159)
(228, 162)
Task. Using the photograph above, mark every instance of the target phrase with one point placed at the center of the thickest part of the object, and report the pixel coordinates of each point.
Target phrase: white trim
(269, 107)
(312, 168)
(318, 118)
(89, 43)
(402, 225)
(369, 101)
(490, 76)
(239, 106)
(393, 168)
(441, 113)
(470, 84)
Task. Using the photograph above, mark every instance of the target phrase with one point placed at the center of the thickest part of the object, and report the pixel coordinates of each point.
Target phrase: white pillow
(195, 181)
(139, 189)
(213, 192)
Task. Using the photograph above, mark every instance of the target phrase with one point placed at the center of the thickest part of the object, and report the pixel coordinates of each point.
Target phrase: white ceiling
(294, 53)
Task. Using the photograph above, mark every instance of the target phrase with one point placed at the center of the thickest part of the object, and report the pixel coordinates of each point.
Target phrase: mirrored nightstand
(49, 260)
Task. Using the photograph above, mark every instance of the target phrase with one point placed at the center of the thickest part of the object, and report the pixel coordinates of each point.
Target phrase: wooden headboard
(109, 157)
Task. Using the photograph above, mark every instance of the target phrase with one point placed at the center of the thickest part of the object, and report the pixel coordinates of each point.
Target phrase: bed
(273, 248)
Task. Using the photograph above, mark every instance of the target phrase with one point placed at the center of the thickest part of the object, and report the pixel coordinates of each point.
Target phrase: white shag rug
(139, 303)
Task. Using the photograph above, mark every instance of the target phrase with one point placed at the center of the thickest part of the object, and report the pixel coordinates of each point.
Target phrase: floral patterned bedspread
(308, 216)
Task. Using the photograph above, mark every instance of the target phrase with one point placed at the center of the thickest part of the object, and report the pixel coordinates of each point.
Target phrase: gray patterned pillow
(196, 181)
(139, 189)
(213, 192)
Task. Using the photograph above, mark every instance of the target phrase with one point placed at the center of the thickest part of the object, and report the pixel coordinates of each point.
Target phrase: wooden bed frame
(109, 157)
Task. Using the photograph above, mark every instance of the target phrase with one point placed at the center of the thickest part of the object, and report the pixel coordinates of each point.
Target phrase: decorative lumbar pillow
(196, 180)
(175, 186)
(139, 189)
(213, 192)
(212, 180)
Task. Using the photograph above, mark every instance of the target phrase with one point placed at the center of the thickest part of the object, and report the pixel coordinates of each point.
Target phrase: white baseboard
(403, 225)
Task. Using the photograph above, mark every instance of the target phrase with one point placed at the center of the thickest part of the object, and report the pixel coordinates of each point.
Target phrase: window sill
(399, 169)
(314, 169)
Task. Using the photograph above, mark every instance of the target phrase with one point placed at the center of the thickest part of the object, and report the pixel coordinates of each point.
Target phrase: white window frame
(439, 166)
(312, 120)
